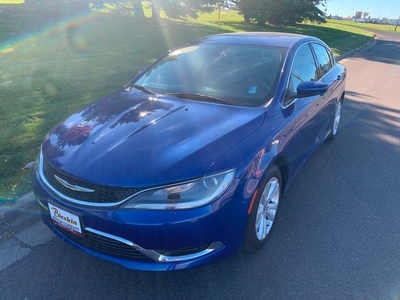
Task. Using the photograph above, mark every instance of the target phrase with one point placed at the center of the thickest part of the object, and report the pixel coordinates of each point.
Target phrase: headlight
(182, 196)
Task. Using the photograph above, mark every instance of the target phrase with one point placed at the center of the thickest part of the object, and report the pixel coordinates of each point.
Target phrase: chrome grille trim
(110, 236)
(154, 255)
(72, 186)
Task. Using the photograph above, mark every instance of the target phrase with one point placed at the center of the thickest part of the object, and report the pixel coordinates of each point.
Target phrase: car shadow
(384, 51)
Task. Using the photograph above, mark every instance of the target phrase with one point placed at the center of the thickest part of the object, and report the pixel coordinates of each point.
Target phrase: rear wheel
(336, 122)
(263, 212)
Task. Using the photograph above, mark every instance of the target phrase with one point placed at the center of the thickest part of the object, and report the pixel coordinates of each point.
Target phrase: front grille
(106, 246)
(101, 194)
(118, 249)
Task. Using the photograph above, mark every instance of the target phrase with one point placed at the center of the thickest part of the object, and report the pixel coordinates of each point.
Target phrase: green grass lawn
(11, 1)
(51, 69)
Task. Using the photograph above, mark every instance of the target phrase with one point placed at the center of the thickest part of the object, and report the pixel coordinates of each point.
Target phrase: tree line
(277, 12)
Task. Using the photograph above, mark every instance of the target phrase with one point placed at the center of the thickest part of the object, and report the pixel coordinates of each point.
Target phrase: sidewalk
(21, 230)
(20, 214)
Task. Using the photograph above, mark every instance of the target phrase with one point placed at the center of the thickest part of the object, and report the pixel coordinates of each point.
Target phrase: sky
(376, 8)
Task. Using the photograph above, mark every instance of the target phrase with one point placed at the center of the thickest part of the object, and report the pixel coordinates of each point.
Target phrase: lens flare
(68, 26)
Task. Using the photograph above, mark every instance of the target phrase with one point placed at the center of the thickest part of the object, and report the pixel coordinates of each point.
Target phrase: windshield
(240, 75)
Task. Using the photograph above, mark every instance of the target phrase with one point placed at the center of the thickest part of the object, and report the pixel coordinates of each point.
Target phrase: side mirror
(311, 88)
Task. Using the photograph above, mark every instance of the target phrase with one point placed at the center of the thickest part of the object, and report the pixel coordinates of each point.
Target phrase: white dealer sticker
(65, 220)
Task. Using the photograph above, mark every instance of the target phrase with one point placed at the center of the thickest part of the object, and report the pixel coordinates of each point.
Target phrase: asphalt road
(337, 235)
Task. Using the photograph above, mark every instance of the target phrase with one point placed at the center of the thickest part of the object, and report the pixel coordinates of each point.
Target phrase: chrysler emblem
(72, 187)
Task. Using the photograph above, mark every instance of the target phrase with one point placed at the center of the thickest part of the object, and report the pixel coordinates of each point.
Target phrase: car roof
(273, 39)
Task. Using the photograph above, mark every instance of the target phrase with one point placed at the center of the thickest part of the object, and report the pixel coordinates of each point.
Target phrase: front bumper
(151, 240)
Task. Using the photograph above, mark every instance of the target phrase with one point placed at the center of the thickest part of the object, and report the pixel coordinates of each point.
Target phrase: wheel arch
(282, 164)
(342, 97)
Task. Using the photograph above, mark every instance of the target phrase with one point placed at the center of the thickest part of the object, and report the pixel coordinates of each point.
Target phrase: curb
(18, 215)
(351, 52)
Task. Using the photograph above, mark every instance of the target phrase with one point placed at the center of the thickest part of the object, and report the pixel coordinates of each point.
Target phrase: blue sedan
(187, 163)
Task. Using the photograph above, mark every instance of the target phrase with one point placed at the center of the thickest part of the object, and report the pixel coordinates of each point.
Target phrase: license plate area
(65, 220)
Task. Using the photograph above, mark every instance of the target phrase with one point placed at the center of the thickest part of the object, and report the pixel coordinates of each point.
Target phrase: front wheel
(263, 212)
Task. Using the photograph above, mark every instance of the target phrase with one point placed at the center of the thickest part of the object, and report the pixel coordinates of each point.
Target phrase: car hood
(134, 139)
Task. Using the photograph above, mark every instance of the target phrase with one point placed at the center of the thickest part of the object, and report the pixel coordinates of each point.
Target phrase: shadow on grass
(340, 41)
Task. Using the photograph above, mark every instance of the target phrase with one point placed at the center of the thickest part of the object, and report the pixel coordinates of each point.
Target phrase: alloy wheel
(336, 120)
(267, 208)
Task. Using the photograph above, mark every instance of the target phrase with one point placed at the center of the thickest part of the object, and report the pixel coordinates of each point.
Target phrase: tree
(138, 9)
(172, 8)
(120, 6)
(175, 9)
(281, 12)
(254, 10)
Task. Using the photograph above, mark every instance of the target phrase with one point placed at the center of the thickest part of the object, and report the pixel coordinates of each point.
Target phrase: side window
(324, 58)
(303, 69)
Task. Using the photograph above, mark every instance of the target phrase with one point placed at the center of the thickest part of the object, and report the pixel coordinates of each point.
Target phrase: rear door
(326, 74)
(306, 127)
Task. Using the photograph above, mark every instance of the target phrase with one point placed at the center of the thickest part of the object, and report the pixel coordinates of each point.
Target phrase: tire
(336, 121)
(263, 212)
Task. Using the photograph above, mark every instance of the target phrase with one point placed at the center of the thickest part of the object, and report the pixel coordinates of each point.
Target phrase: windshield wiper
(196, 96)
(141, 88)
